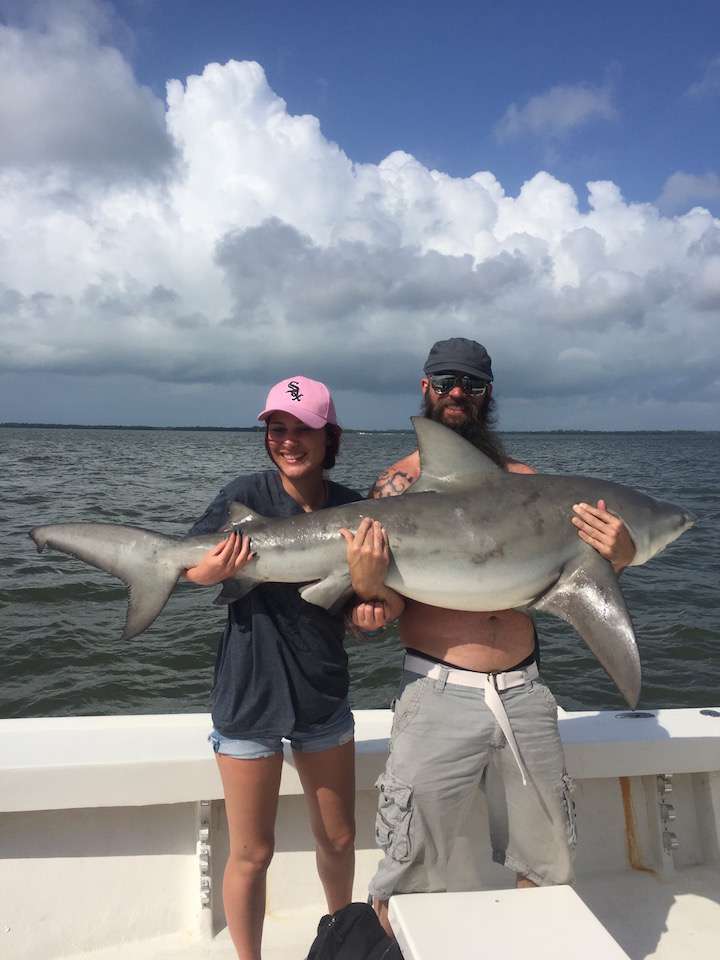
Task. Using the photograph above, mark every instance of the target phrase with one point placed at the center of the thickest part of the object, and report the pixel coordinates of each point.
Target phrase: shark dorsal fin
(240, 515)
(448, 460)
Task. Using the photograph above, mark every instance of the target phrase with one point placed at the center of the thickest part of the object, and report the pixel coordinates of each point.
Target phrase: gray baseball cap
(457, 353)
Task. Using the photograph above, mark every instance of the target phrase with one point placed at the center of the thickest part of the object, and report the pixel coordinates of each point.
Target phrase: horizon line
(259, 429)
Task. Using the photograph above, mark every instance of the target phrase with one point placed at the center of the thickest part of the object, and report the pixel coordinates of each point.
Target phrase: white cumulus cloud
(264, 249)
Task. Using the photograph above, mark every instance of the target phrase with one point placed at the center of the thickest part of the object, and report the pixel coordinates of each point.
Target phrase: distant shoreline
(259, 429)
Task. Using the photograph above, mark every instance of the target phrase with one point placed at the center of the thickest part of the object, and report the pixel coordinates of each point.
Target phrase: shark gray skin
(467, 535)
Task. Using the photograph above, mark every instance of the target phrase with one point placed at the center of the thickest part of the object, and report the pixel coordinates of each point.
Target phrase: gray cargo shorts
(445, 743)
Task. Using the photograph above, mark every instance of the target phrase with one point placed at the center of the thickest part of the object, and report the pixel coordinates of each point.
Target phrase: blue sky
(197, 200)
(435, 79)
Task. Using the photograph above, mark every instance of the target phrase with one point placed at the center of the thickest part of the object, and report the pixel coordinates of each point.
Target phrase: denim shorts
(335, 732)
(445, 745)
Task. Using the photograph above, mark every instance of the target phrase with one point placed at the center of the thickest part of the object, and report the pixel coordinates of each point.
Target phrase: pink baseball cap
(308, 400)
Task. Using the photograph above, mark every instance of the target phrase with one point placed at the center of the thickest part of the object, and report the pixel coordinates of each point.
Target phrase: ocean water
(60, 620)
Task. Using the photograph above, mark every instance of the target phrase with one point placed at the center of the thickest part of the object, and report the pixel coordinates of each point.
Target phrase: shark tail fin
(144, 561)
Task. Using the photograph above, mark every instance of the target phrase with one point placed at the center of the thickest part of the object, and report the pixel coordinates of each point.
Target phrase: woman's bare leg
(251, 799)
(328, 779)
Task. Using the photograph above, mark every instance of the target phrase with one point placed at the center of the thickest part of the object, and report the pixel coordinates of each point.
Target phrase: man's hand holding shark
(368, 557)
(605, 533)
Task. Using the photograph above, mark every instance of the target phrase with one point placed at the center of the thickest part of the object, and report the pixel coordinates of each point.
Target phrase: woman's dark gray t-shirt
(281, 664)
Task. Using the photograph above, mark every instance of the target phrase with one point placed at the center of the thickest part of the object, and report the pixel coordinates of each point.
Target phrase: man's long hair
(480, 432)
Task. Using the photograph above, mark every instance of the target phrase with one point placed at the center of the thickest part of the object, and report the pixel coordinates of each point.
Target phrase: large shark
(466, 536)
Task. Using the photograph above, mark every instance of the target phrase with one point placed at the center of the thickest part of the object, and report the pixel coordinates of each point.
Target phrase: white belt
(491, 683)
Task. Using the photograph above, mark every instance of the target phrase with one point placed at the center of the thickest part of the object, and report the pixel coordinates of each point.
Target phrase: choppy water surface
(60, 620)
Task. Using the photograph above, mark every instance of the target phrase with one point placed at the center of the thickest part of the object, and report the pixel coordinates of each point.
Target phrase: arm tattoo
(390, 484)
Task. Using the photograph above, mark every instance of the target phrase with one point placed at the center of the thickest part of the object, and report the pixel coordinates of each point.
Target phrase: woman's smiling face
(296, 449)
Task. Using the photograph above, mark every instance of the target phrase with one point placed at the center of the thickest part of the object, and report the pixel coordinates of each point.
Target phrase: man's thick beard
(480, 432)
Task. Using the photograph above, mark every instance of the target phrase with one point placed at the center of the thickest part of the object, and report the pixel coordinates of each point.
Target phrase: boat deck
(650, 918)
(113, 840)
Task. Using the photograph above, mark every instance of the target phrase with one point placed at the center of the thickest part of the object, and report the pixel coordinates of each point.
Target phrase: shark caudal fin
(447, 460)
(144, 561)
(588, 596)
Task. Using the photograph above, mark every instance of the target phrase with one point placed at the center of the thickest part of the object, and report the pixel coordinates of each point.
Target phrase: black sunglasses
(444, 383)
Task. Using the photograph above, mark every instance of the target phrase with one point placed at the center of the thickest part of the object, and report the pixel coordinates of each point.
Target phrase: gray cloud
(363, 316)
(70, 102)
(709, 84)
(681, 190)
(556, 112)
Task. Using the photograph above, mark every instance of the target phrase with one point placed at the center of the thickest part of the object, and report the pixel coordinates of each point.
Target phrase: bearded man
(472, 711)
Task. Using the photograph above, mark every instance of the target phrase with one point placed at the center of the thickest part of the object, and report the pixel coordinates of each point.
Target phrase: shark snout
(667, 524)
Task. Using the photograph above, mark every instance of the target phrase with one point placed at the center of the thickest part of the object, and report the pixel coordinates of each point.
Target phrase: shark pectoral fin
(233, 590)
(240, 515)
(447, 461)
(588, 596)
(330, 592)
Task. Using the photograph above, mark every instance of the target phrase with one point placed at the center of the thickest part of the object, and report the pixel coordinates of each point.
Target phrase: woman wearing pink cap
(281, 671)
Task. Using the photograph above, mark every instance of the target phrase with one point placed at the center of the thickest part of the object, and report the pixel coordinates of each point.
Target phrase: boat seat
(545, 923)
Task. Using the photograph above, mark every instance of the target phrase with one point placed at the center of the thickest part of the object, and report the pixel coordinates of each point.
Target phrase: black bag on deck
(353, 933)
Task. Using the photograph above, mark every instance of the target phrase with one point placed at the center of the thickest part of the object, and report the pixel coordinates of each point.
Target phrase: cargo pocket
(406, 706)
(568, 789)
(394, 815)
(547, 694)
